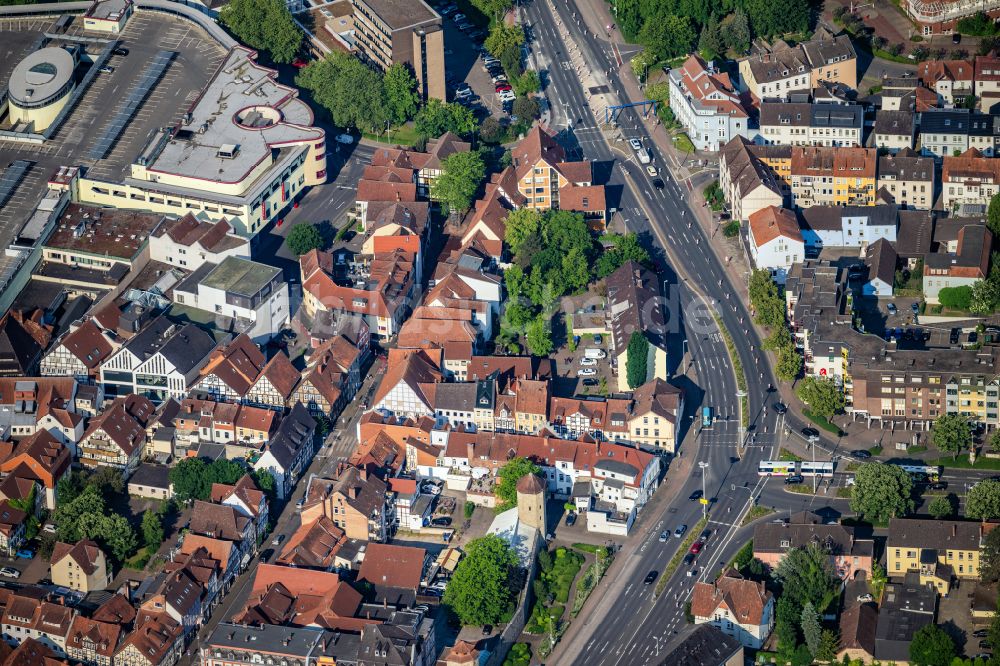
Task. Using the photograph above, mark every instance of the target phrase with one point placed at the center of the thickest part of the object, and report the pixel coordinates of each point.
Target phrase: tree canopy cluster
(88, 517)
(982, 502)
(193, 477)
(808, 586)
(637, 360)
(881, 492)
(484, 586)
(303, 237)
(670, 28)
(358, 96)
(461, 176)
(509, 475)
(266, 25)
(769, 308)
(950, 434)
(822, 395)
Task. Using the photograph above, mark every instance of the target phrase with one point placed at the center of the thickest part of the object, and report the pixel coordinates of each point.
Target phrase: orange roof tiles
(768, 223)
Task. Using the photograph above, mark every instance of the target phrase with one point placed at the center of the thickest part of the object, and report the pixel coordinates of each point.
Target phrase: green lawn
(683, 143)
(822, 422)
(785, 454)
(755, 513)
(404, 135)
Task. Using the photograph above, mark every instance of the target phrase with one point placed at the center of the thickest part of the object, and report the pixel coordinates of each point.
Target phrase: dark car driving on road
(650, 577)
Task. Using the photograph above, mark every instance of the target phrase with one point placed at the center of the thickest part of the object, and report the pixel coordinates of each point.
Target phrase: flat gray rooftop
(402, 14)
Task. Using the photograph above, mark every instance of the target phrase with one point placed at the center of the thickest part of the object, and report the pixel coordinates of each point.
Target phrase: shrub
(731, 229)
(958, 298)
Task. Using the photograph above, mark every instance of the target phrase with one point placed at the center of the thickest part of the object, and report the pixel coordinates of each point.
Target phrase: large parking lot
(464, 59)
(196, 57)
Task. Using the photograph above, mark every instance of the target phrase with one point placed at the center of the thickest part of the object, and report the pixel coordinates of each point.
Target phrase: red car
(503, 86)
(696, 547)
(299, 63)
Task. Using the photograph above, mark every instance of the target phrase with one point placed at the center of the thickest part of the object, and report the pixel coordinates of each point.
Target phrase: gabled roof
(219, 521)
(769, 223)
(86, 553)
(881, 259)
(388, 565)
(88, 344)
(745, 599)
(124, 422)
(154, 636)
(313, 545)
(657, 397)
(412, 367)
(237, 364)
(537, 145)
(87, 633)
(282, 375)
(245, 490)
(301, 597)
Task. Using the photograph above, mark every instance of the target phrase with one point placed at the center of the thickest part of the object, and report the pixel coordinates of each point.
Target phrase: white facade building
(775, 241)
(705, 103)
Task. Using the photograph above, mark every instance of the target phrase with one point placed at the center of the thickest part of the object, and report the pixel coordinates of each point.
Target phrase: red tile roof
(387, 565)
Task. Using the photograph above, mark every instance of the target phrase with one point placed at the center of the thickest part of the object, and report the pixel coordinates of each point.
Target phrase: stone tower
(531, 501)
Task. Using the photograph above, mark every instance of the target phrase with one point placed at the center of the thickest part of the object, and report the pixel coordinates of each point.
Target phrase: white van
(644, 157)
(594, 352)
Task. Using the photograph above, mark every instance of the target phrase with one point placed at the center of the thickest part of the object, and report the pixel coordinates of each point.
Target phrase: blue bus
(706, 417)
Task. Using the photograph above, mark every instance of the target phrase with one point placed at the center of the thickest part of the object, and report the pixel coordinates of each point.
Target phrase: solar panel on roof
(154, 70)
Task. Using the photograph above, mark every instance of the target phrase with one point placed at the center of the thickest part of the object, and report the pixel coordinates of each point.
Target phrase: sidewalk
(622, 570)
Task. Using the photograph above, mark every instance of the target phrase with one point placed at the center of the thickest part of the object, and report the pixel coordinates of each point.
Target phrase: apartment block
(387, 32)
(773, 71)
(970, 178)
(705, 101)
(939, 550)
(907, 178)
(825, 176)
(810, 124)
(747, 183)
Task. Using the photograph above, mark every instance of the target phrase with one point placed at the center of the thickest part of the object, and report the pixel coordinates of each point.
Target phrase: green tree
(510, 60)
(401, 96)
(521, 224)
(519, 315)
(735, 31)
(491, 132)
(989, 558)
(931, 646)
(668, 36)
(822, 395)
(623, 248)
(264, 481)
(482, 589)
(224, 471)
(789, 363)
(436, 117)
(526, 84)
(941, 507)
(788, 616)
(264, 24)
(152, 529)
(526, 108)
(950, 434)
(983, 500)
(70, 487)
(711, 43)
(780, 338)
(829, 644)
(353, 93)
(878, 580)
(108, 480)
(67, 516)
(636, 360)
(493, 9)
(806, 576)
(503, 38)
(113, 533)
(812, 632)
(302, 238)
(993, 215)
(539, 336)
(509, 475)
(985, 295)
(190, 479)
(881, 492)
(461, 175)
(957, 298)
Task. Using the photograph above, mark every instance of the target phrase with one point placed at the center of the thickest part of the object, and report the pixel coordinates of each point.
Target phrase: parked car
(441, 522)
(570, 519)
(598, 339)
(891, 308)
(793, 479)
(954, 337)
(594, 352)
(985, 645)
(503, 87)
(120, 51)
(664, 536)
(25, 554)
(586, 372)
(50, 528)
(981, 633)
(276, 541)
(956, 38)
(650, 577)
(588, 362)
(107, 69)
(345, 139)
(299, 63)
(681, 529)
(10, 572)
(864, 597)
(590, 381)
(301, 503)
(915, 307)
(458, 17)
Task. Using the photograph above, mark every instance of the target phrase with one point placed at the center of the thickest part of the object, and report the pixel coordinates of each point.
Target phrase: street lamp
(704, 499)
